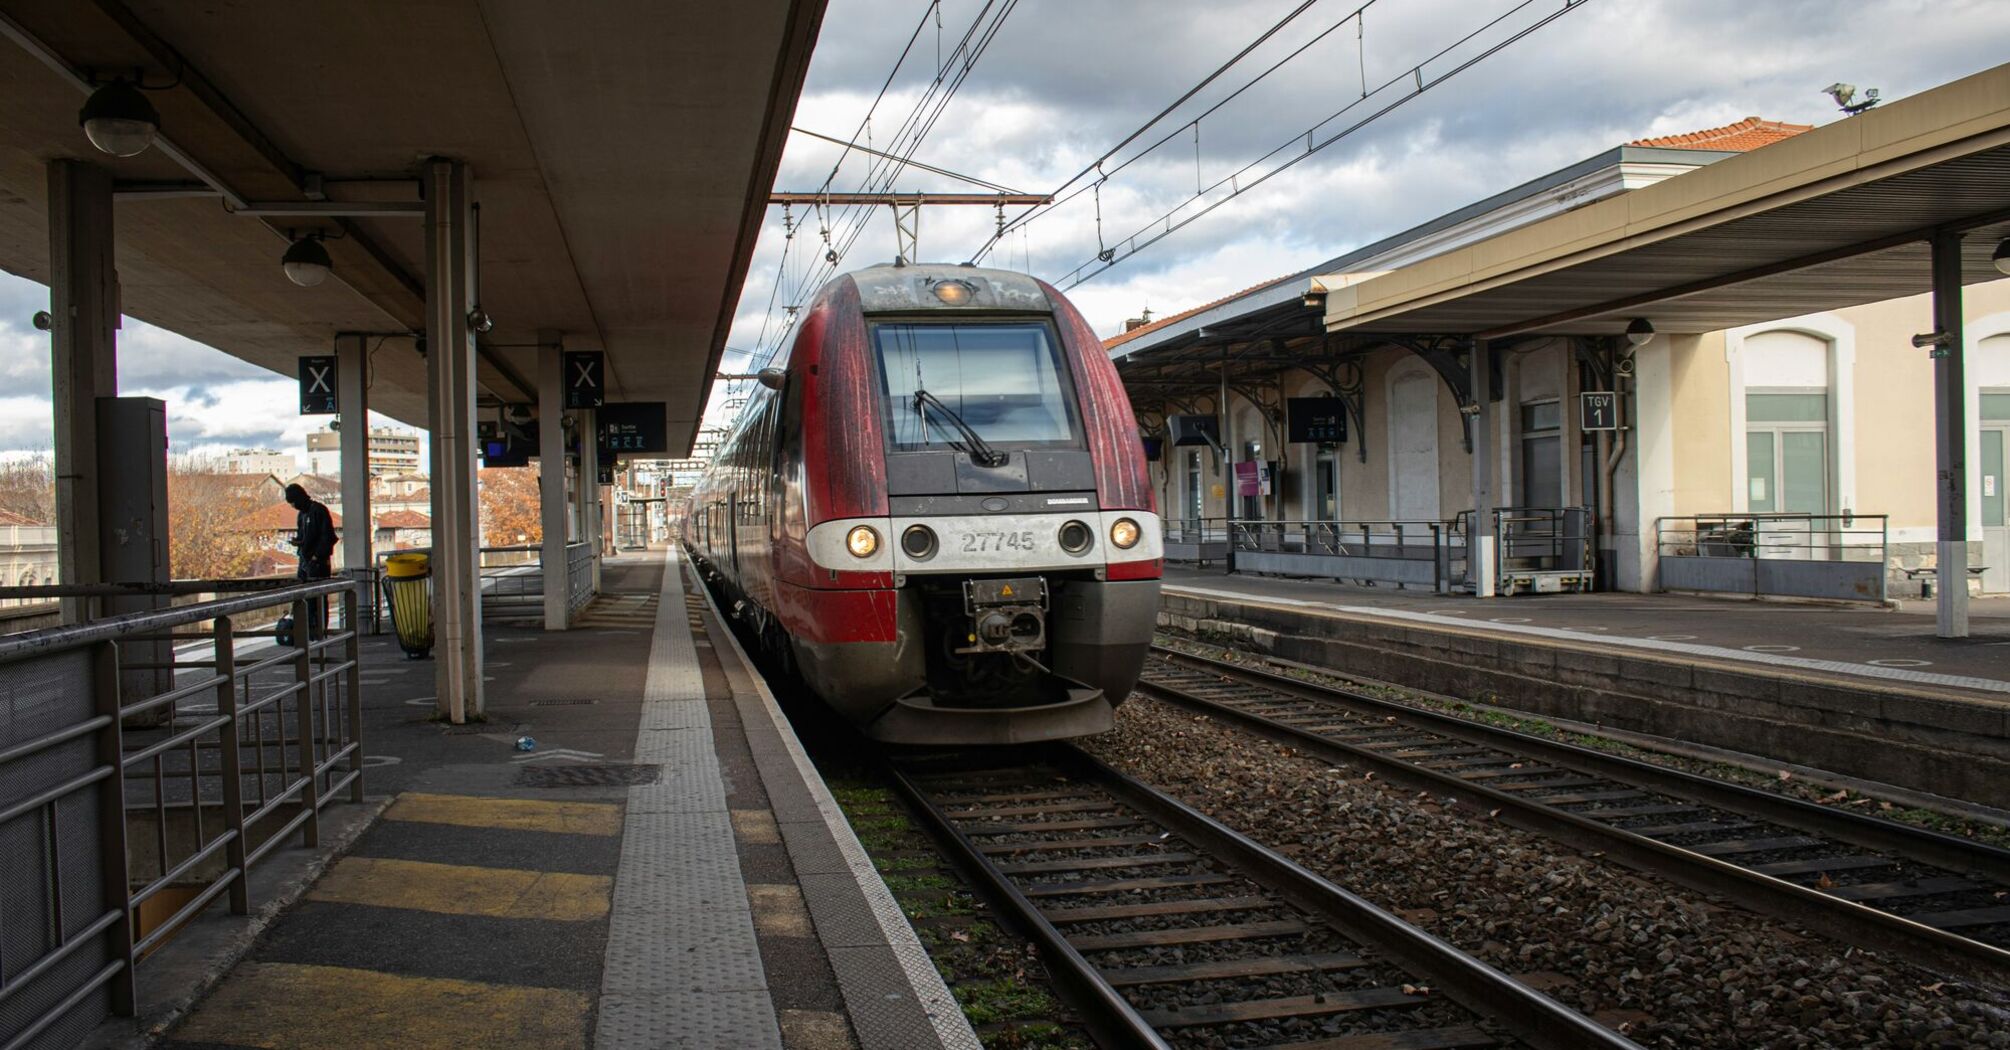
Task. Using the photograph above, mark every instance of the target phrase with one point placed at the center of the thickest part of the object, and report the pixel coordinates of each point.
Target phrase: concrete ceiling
(622, 151)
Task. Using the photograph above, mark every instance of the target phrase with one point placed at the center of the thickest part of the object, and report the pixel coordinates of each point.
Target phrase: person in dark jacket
(314, 537)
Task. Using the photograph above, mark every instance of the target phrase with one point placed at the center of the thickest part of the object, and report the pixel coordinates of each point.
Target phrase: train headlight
(1124, 533)
(862, 541)
(953, 293)
(1075, 537)
(918, 541)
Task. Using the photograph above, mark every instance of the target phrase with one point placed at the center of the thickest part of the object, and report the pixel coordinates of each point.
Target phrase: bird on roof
(1845, 96)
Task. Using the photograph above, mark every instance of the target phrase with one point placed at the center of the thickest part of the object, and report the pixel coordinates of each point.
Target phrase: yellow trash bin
(408, 591)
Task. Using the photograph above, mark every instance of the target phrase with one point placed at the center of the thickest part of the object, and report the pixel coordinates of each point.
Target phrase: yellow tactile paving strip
(337, 1008)
(509, 814)
(458, 889)
(307, 1006)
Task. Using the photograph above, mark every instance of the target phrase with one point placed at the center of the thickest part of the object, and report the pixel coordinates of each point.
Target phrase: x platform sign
(317, 386)
(585, 378)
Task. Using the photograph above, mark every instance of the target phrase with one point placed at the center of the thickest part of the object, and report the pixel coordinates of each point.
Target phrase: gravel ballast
(1674, 968)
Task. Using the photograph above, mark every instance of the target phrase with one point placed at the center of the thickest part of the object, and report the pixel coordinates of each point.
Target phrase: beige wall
(1889, 443)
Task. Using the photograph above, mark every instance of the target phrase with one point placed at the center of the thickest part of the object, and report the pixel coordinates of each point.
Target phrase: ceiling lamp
(119, 120)
(1639, 331)
(2002, 256)
(306, 262)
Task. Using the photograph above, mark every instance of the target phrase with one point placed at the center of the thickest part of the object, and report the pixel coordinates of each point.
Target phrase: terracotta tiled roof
(403, 519)
(1747, 134)
(8, 517)
(279, 517)
(1118, 340)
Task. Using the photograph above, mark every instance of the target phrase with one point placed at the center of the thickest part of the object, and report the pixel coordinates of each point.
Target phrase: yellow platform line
(510, 814)
(456, 889)
(285, 1005)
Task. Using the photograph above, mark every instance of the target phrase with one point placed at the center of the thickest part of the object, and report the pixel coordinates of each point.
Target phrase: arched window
(1792, 416)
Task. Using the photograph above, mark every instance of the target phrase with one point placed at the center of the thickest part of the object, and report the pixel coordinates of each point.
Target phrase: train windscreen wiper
(980, 450)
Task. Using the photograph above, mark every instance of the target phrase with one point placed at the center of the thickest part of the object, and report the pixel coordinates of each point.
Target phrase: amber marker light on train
(1124, 533)
(953, 293)
(862, 541)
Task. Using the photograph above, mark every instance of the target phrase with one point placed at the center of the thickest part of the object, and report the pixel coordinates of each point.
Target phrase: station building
(1805, 437)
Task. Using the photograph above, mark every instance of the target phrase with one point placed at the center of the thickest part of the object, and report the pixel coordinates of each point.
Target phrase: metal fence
(122, 816)
(1196, 540)
(1835, 556)
(1405, 553)
(578, 575)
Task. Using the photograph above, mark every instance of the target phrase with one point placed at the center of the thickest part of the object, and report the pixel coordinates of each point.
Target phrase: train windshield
(1006, 382)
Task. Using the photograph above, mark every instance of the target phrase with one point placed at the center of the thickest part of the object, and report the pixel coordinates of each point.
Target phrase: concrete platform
(664, 870)
(1865, 692)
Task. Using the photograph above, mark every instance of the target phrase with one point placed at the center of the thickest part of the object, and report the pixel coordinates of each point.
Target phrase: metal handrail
(285, 731)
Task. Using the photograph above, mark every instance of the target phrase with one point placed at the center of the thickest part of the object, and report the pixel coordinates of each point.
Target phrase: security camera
(1624, 366)
(43, 322)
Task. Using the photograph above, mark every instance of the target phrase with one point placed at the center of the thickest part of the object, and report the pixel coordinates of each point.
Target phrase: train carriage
(937, 511)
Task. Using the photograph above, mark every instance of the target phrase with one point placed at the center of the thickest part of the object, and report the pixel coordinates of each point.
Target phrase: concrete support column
(551, 500)
(1480, 540)
(84, 303)
(1950, 438)
(450, 402)
(589, 487)
(352, 404)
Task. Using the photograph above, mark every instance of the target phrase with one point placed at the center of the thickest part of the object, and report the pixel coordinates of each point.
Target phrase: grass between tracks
(1780, 782)
(995, 976)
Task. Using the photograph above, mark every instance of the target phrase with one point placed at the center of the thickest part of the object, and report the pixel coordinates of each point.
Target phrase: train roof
(910, 288)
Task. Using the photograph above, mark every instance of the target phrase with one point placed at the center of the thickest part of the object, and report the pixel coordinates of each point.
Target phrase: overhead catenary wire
(1413, 76)
(1096, 166)
(850, 223)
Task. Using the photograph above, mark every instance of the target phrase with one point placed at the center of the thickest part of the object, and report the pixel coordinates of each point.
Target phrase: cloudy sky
(1063, 81)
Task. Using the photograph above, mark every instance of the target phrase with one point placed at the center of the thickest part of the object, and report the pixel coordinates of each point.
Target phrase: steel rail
(1853, 922)
(1527, 1014)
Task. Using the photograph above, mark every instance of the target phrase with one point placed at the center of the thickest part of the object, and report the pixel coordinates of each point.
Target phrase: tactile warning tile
(677, 714)
(687, 1021)
(708, 949)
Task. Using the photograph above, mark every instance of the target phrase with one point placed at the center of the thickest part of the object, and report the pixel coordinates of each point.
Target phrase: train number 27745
(981, 542)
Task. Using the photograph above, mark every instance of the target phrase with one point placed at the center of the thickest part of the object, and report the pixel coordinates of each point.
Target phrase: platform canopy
(1835, 217)
(622, 153)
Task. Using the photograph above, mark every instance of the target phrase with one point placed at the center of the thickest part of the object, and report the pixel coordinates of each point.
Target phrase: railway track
(1167, 929)
(1877, 884)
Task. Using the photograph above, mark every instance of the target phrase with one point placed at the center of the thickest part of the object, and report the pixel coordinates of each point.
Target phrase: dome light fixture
(2002, 256)
(1639, 331)
(306, 262)
(119, 120)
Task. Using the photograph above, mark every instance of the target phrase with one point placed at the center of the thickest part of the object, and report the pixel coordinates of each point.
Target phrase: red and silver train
(937, 511)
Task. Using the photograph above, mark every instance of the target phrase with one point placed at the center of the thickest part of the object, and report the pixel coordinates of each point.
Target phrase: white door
(1413, 448)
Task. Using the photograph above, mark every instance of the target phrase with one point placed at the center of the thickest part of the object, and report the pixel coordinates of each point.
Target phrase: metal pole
(112, 858)
(353, 653)
(303, 701)
(1480, 537)
(223, 640)
(1950, 437)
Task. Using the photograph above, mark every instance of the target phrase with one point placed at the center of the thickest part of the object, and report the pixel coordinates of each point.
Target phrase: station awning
(1835, 217)
(622, 153)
